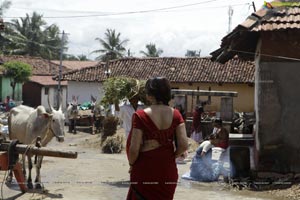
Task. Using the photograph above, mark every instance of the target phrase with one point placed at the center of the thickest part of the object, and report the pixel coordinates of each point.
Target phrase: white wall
(53, 97)
(84, 90)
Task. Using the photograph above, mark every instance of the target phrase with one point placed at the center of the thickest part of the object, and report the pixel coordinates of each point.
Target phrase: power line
(135, 12)
(213, 7)
(108, 13)
(267, 55)
(112, 13)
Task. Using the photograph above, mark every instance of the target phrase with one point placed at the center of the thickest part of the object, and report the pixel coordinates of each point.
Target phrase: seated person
(9, 103)
(220, 136)
(206, 145)
(203, 168)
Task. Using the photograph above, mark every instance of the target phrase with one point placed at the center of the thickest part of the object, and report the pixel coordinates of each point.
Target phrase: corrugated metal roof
(175, 69)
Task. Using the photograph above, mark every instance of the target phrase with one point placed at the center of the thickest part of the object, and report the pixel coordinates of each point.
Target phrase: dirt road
(97, 176)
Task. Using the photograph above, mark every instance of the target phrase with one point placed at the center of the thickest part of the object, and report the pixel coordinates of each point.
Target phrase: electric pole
(230, 13)
(60, 66)
(253, 5)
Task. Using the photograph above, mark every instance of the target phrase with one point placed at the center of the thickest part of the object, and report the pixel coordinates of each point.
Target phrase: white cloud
(194, 27)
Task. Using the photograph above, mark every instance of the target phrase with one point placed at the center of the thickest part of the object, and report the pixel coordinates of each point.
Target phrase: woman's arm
(135, 145)
(182, 140)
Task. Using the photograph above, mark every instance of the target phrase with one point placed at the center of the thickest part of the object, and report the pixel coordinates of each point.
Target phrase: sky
(174, 26)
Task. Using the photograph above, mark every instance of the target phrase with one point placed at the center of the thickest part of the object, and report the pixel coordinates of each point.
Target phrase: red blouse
(142, 121)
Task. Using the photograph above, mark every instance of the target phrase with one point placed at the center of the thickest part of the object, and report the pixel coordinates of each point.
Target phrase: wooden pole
(43, 151)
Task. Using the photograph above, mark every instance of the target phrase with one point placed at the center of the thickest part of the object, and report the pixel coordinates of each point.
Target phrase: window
(46, 90)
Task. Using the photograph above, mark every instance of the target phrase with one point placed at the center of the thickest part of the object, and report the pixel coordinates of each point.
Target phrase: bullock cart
(9, 155)
(88, 119)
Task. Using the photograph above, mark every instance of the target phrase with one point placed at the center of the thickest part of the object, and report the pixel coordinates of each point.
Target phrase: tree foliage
(192, 53)
(4, 6)
(120, 88)
(18, 72)
(74, 58)
(152, 51)
(82, 57)
(112, 46)
(32, 36)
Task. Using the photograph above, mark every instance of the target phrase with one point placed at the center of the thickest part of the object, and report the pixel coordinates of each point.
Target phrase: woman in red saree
(150, 145)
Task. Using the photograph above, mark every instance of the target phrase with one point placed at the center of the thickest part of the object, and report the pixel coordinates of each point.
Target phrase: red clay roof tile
(175, 69)
(40, 66)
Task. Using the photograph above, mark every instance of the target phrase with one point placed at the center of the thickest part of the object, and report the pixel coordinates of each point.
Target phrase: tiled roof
(243, 39)
(73, 65)
(175, 69)
(46, 80)
(278, 19)
(40, 66)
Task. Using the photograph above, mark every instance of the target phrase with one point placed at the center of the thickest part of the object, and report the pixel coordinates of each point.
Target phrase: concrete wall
(278, 116)
(53, 97)
(243, 103)
(84, 90)
(7, 90)
(277, 102)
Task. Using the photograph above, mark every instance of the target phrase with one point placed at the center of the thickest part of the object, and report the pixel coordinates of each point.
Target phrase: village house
(270, 37)
(41, 85)
(5, 87)
(184, 73)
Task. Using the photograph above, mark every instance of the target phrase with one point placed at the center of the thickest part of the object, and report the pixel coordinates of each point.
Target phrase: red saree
(154, 174)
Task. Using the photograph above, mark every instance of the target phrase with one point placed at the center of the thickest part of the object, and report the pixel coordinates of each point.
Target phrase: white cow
(27, 124)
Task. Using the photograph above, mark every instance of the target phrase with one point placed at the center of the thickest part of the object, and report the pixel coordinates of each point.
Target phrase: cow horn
(51, 108)
(60, 101)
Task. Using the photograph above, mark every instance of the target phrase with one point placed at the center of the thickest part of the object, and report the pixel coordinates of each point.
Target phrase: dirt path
(97, 176)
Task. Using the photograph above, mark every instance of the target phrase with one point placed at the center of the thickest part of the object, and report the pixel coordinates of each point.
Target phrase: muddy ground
(97, 176)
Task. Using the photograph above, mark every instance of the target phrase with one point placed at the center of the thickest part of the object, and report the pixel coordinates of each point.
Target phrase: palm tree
(112, 46)
(152, 51)
(192, 53)
(82, 57)
(4, 6)
(31, 36)
(52, 42)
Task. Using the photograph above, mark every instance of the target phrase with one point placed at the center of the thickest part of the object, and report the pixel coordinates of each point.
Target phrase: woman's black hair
(159, 88)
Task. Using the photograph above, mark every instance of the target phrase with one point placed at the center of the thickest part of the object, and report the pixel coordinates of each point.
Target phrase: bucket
(216, 153)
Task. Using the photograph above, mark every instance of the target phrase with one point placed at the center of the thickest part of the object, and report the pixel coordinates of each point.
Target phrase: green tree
(112, 46)
(18, 72)
(4, 6)
(82, 57)
(152, 51)
(70, 57)
(31, 36)
(74, 58)
(192, 53)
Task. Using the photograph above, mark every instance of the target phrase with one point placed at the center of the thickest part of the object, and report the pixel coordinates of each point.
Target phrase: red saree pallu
(154, 175)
